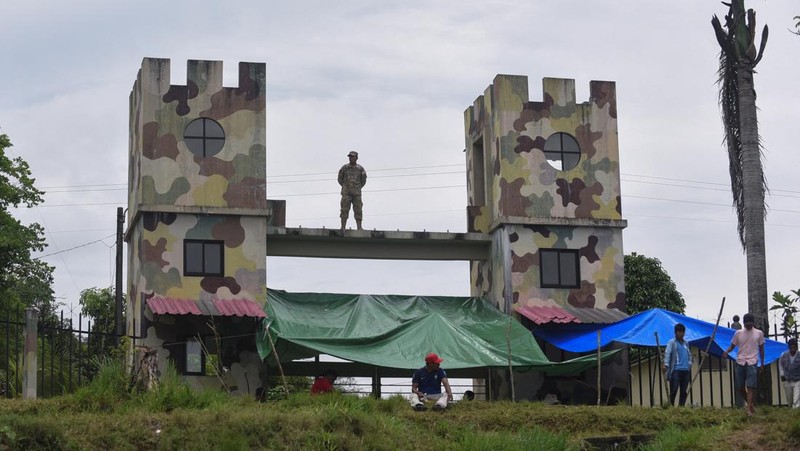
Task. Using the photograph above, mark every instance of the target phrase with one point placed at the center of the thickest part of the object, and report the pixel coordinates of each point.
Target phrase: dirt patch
(757, 433)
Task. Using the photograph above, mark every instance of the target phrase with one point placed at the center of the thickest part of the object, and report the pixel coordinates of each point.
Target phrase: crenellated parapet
(198, 145)
(513, 172)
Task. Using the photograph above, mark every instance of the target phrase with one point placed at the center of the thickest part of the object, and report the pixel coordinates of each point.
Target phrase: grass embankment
(104, 416)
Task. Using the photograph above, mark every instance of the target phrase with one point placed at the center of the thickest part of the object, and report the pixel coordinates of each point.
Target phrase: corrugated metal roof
(563, 315)
(547, 314)
(170, 306)
(219, 307)
(239, 307)
(597, 315)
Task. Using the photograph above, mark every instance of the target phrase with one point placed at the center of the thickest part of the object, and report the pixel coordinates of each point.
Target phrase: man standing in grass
(426, 384)
(789, 365)
(750, 342)
(678, 365)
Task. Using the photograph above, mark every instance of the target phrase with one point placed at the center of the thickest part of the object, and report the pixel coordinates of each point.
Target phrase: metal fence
(67, 353)
(713, 386)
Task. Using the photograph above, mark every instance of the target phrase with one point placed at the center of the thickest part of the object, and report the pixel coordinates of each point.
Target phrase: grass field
(106, 415)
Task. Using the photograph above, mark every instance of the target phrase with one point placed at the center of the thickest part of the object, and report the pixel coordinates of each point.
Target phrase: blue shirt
(678, 357)
(428, 383)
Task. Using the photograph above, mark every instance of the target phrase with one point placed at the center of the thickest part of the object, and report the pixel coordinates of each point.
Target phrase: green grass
(106, 415)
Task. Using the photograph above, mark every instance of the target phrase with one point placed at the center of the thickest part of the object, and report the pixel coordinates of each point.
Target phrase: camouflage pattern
(526, 204)
(176, 195)
(352, 177)
(355, 201)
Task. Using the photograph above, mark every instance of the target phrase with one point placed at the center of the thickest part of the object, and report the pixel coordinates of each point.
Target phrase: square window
(203, 258)
(559, 268)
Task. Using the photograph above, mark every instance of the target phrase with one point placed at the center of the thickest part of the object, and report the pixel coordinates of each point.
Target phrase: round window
(562, 151)
(204, 137)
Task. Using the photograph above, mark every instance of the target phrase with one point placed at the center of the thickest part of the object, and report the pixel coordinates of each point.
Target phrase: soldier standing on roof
(352, 177)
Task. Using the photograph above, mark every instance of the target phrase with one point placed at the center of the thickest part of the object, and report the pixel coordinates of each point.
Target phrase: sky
(392, 81)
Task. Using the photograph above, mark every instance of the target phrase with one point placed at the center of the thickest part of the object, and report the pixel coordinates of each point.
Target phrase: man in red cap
(426, 384)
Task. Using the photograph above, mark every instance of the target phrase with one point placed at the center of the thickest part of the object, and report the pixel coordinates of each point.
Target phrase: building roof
(218, 307)
(551, 314)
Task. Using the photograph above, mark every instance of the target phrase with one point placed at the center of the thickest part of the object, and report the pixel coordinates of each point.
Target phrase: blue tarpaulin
(640, 330)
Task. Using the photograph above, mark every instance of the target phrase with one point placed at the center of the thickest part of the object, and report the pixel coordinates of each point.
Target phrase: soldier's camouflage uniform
(352, 177)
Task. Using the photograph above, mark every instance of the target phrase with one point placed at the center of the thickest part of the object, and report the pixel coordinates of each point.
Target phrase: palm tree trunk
(754, 209)
(753, 187)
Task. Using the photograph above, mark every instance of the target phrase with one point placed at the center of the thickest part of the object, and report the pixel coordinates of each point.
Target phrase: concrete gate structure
(200, 226)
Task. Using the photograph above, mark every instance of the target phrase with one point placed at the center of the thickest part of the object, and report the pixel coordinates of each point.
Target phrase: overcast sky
(393, 82)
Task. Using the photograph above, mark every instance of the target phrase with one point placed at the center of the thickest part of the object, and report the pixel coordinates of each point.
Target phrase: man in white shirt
(789, 365)
(749, 360)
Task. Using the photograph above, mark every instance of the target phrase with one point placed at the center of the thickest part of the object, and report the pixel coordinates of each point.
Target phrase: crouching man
(426, 384)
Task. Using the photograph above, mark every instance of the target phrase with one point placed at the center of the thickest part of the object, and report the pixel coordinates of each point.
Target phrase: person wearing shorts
(749, 360)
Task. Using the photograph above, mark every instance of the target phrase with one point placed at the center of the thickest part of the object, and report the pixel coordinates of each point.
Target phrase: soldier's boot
(344, 223)
(358, 224)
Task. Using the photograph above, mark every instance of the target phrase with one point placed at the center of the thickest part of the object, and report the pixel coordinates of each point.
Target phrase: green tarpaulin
(398, 331)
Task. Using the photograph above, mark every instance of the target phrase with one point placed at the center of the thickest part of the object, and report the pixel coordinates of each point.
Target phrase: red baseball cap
(433, 358)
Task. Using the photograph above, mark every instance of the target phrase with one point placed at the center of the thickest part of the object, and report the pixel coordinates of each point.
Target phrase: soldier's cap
(353, 153)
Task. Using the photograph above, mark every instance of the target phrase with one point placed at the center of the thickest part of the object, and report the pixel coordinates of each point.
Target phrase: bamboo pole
(661, 365)
(708, 346)
(277, 359)
(510, 367)
(599, 361)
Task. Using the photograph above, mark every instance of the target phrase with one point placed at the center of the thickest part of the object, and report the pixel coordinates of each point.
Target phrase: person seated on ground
(426, 384)
(324, 383)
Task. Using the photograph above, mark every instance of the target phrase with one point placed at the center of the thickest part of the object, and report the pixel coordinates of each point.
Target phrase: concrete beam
(376, 244)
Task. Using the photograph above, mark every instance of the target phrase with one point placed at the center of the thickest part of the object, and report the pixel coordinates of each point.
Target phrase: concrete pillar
(29, 362)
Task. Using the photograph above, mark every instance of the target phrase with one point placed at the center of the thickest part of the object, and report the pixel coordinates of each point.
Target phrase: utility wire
(76, 247)
(723, 186)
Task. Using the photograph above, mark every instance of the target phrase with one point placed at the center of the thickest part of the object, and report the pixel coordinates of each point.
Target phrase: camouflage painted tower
(197, 215)
(543, 180)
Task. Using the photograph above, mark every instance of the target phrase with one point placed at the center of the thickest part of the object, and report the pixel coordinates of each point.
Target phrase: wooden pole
(660, 364)
(708, 346)
(599, 361)
(510, 367)
(277, 360)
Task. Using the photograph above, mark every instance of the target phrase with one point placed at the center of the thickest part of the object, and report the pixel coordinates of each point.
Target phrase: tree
(647, 285)
(790, 306)
(99, 304)
(17, 240)
(737, 98)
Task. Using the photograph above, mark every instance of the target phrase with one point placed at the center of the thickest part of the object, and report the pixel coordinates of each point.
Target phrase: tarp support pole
(599, 362)
(705, 353)
(661, 368)
(510, 367)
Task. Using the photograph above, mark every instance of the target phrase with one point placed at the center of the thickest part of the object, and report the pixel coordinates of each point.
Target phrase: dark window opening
(204, 137)
(203, 258)
(193, 357)
(559, 268)
(562, 151)
(478, 173)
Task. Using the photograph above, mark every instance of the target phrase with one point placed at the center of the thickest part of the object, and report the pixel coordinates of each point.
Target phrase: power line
(699, 203)
(76, 247)
(123, 187)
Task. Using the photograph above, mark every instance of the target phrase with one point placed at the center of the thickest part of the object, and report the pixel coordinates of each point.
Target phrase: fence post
(29, 354)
